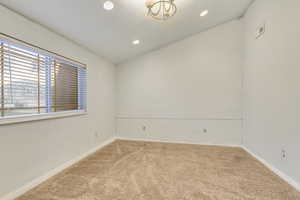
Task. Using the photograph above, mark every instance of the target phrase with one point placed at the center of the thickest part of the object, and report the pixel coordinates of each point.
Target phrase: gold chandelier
(161, 9)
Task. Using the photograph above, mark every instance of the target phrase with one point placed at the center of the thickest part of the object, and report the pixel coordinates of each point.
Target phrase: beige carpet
(126, 170)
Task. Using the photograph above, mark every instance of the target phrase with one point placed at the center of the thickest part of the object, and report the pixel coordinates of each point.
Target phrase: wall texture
(272, 95)
(29, 150)
(178, 91)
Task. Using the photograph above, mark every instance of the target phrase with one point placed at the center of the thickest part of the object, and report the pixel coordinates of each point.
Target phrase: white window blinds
(34, 81)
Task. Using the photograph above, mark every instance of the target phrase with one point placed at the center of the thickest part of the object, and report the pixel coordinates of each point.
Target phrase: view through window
(33, 81)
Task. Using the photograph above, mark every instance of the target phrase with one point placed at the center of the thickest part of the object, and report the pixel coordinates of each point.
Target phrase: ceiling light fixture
(161, 9)
(108, 5)
(203, 13)
(136, 42)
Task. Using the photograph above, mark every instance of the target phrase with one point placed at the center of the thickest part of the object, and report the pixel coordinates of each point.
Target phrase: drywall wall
(178, 91)
(31, 149)
(271, 84)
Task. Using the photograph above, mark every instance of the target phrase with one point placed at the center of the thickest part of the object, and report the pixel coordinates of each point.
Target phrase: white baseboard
(39, 180)
(176, 142)
(282, 175)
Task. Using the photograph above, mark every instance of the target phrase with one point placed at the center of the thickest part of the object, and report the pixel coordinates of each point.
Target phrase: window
(36, 81)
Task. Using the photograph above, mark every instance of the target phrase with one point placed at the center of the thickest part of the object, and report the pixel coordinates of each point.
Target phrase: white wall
(178, 91)
(272, 94)
(29, 150)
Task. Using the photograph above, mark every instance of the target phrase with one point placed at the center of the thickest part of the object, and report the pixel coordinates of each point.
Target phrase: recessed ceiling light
(203, 13)
(108, 5)
(136, 42)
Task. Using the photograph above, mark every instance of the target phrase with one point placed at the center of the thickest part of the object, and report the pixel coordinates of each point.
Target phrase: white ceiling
(110, 33)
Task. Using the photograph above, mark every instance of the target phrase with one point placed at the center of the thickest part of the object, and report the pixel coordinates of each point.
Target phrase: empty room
(149, 100)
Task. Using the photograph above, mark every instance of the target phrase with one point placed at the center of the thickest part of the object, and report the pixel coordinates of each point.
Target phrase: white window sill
(38, 117)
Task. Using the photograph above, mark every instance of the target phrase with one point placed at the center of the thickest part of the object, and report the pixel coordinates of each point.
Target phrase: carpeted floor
(126, 170)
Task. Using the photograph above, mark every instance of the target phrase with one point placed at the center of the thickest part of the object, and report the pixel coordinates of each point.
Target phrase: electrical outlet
(96, 134)
(283, 154)
(204, 130)
(260, 30)
(144, 128)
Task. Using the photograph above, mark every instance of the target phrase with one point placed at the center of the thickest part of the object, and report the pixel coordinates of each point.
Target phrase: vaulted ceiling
(110, 33)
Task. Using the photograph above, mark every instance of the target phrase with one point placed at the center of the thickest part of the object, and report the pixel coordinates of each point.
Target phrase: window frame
(50, 115)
